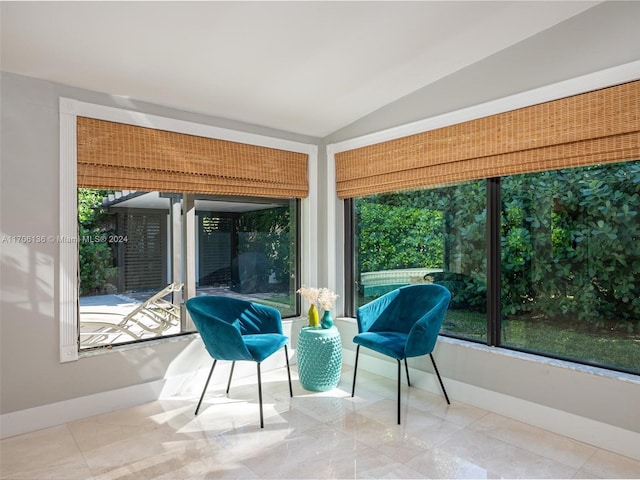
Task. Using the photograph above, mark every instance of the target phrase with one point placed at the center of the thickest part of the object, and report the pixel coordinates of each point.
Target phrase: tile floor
(313, 435)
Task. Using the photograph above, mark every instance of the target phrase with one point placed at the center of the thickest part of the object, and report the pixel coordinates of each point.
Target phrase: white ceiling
(304, 67)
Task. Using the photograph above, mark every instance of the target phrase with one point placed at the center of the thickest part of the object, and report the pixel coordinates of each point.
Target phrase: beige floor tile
(436, 463)
(45, 454)
(557, 447)
(603, 464)
(313, 435)
(502, 459)
(321, 452)
(459, 413)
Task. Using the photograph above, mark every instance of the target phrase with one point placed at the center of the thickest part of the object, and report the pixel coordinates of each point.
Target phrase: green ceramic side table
(319, 358)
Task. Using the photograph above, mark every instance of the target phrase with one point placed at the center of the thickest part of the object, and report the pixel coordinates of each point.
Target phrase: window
(568, 242)
(571, 264)
(168, 241)
(135, 267)
(127, 290)
(249, 248)
(426, 236)
(561, 246)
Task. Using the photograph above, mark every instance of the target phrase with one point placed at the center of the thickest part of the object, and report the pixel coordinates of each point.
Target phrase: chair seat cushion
(391, 344)
(262, 345)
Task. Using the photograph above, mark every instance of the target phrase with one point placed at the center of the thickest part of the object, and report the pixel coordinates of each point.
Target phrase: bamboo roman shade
(596, 127)
(119, 156)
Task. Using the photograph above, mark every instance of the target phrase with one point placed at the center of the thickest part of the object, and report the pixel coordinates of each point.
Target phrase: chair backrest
(417, 310)
(222, 321)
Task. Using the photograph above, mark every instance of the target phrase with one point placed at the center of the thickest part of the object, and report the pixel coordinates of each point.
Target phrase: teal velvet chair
(235, 329)
(401, 324)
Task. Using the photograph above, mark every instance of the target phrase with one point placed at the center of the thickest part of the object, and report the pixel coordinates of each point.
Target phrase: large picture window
(568, 246)
(571, 264)
(426, 236)
(134, 260)
(170, 209)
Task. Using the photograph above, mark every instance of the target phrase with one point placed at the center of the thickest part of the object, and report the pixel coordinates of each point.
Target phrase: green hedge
(96, 257)
(570, 241)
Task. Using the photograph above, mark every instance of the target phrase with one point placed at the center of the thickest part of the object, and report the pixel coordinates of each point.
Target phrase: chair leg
(205, 386)
(286, 356)
(440, 379)
(233, 364)
(260, 395)
(399, 384)
(406, 367)
(355, 370)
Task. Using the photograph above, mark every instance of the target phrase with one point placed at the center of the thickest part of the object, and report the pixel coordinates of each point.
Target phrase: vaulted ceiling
(303, 67)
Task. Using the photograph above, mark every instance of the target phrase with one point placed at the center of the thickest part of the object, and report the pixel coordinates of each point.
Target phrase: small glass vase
(327, 320)
(314, 316)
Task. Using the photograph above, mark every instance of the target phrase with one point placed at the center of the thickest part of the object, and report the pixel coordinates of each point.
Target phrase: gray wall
(604, 36)
(29, 368)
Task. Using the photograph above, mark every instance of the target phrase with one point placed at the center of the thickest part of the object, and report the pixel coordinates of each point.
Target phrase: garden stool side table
(319, 358)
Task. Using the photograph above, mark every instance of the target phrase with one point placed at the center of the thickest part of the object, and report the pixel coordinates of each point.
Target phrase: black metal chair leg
(260, 396)
(205, 386)
(355, 370)
(286, 356)
(233, 364)
(399, 384)
(440, 379)
(406, 367)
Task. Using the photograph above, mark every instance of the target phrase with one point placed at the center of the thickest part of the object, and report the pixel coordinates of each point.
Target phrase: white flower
(326, 298)
(310, 294)
(321, 297)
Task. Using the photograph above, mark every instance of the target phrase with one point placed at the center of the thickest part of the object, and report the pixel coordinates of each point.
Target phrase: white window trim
(70, 109)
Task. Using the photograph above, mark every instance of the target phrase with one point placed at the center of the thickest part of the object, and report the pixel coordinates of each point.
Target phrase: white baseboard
(598, 434)
(45, 416)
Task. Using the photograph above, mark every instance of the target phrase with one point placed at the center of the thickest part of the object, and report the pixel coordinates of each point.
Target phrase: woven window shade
(126, 157)
(596, 127)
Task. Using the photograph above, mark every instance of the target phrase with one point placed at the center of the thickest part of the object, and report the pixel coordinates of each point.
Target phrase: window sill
(530, 357)
(186, 337)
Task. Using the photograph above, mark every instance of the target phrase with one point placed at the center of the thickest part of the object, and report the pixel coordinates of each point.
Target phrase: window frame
(69, 110)
(494, 278)
(593, 81)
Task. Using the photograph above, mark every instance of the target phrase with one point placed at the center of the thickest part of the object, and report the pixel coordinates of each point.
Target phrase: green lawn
(608, 346)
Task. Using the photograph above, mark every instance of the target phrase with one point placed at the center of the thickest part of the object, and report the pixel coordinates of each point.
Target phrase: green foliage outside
(570, 247)
(95, 256)
(399, 237)
(270, 233)
(438, 228)
(570, 240)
